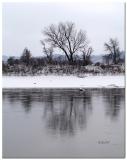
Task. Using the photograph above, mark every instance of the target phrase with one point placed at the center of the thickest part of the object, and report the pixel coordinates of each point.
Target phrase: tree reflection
(26, 102)
(67, 113)
(21, 96)
(113, 99)
(12, 96)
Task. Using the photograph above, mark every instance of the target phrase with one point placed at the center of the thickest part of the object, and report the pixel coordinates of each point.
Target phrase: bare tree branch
(86, 53)
(47, 51)
(113, 47)
(65, 37)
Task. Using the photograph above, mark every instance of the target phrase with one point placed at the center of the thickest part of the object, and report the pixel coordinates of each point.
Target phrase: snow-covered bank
(63, 82)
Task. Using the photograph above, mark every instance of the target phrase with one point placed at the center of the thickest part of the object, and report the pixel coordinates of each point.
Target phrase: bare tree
(48, 51)
(26, 56)
(86, 53)
(113, 48)
(65, 37)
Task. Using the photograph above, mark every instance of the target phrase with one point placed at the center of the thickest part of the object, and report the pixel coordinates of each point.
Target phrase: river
(63, 123)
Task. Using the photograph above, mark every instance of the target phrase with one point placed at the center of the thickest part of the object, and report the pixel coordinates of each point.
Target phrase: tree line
(68, 40)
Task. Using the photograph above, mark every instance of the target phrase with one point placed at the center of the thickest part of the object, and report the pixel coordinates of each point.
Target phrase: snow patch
(63, 82)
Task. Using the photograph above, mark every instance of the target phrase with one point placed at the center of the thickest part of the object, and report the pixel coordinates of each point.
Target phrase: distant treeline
(29, 65)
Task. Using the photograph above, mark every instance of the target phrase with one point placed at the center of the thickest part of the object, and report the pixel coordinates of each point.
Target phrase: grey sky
(23, 23)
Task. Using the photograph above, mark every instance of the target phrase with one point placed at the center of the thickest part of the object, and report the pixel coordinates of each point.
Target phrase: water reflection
(65, 111)
(113, 99)
(79, 124)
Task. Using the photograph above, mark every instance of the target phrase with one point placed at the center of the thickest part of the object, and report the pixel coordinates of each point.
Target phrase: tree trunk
(71, 61)
(114, 58)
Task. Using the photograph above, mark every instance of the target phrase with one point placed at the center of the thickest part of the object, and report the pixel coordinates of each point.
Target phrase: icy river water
(63, 123)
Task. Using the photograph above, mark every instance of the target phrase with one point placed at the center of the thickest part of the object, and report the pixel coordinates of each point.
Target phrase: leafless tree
(26, 56)
(113, 48)
(86, 53)
(65, 37)
(48, 51)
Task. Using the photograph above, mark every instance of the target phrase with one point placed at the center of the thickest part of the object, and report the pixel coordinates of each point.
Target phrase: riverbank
(63, 81)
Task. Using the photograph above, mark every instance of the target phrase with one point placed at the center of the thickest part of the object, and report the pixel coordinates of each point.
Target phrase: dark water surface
(65, 123)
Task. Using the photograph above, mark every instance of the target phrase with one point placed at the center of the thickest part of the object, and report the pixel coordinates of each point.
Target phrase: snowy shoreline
(63, 81)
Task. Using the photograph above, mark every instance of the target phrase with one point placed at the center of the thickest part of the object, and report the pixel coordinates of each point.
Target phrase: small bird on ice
(82, 89)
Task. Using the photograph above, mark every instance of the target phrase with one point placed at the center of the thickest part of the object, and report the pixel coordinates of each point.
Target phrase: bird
(82, 89)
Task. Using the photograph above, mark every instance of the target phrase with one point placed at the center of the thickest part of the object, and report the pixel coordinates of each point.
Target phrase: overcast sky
(23, 23)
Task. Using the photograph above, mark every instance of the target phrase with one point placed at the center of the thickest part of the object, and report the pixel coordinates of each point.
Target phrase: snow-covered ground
(63, 82)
